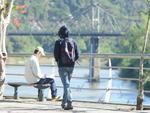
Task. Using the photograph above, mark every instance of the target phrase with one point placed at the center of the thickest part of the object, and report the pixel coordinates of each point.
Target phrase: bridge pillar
(94, 63)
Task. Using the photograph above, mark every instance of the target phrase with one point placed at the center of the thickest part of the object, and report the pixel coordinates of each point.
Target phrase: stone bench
(40, 88)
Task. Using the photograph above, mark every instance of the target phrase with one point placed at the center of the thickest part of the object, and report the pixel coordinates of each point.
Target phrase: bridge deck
(33, 106)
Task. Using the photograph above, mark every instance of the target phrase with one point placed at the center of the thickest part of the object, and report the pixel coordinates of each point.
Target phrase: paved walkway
(32, 106)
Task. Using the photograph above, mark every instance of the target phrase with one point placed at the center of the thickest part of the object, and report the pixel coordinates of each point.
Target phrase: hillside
(48, 15)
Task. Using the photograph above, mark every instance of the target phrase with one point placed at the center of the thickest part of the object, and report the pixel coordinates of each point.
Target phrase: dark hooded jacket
(63, 33)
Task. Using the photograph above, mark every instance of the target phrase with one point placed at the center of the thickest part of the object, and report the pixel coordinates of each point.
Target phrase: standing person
(65, 53)
(33, 72)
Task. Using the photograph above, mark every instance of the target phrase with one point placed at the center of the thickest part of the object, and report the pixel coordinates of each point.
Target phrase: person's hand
(77, 62)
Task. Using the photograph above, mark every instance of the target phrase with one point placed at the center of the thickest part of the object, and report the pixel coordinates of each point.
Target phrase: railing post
(52, 75)
(94, 42)
(109, 87)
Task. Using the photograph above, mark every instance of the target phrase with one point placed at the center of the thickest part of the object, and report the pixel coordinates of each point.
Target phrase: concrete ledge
(33, 106)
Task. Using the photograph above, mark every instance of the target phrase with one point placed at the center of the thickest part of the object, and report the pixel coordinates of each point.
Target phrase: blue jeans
(65, 74)
(52, 85)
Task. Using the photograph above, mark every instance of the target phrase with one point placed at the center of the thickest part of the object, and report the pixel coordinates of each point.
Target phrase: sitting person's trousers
(52, 85)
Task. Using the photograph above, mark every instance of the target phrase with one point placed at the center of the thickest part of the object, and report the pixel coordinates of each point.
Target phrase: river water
(82, 88)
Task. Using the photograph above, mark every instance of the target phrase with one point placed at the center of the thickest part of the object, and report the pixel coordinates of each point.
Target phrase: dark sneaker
(68, 107)
(62, 106)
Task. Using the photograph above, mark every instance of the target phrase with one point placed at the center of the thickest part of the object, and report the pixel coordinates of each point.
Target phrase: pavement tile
(33, 106)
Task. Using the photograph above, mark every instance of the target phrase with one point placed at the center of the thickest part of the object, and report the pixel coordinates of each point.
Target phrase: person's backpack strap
(67, 51)
(70, 48)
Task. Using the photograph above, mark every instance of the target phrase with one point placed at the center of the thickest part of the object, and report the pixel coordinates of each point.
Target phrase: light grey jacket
(32, 70)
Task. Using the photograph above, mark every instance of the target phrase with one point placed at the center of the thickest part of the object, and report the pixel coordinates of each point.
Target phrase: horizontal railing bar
(131, 56)
(74, 76)
(21, 33)
(126, 79)
(9, 74)
(83, 88)
(146, 91)
(134, 68)
(114, 89)
(78, 66)
(13, 74)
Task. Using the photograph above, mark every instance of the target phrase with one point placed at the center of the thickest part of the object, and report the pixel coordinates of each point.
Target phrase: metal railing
(107, 58)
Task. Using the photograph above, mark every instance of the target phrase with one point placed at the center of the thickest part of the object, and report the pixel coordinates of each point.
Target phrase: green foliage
(21, 44)
(107, 45)
(133, 44)
(48, 15)
(82, 45)
(47, 43)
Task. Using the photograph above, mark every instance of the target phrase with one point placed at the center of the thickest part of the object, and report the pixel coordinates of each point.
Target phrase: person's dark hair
(63, 32)
(36, 51)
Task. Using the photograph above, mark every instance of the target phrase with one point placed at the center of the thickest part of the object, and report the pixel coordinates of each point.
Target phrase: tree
(142, 77)
(5, 13)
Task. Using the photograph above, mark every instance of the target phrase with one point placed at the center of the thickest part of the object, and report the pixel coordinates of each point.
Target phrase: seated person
(33, 72)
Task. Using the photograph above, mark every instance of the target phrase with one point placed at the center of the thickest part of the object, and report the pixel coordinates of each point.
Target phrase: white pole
(109, 87)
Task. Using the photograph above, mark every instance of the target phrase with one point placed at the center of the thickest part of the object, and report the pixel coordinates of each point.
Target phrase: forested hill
(127, 16)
